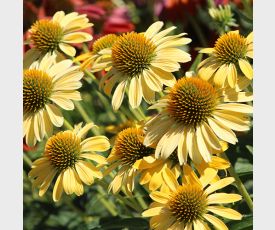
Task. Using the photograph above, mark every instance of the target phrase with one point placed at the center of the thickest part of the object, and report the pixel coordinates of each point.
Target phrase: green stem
(118, 196)
(109, 206)
(139, 196)
(239, 184)
(27, 160)
(141, 113)
(68, 125)
(85, 116)
(136, 114)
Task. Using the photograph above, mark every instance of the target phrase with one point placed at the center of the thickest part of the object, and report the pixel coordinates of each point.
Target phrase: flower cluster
(176, 154)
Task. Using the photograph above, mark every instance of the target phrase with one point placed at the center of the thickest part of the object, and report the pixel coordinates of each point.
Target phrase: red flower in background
(174, 10)
(118, 22)
(30, 12)
(93, 11)
(27, 148)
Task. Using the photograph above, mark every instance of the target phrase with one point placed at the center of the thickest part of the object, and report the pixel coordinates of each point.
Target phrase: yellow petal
(97, 143)
(83, 132)
(58, 188)
(90, 168)
(249, 38)
(236, 107)
(152, 211)
(84, 175)
(94, 157)
(152, 81)
(232, 75)
(204, 148)
(232, 122)
(222, 131)
(206, 50)
(135, 93)
(59, 67)
(221, 75)
(77, 37)
(210, 136)
(207, 176)
(170, 179)
(182, 149)
(225, 212)
(219, 184)
(48, 180)
(148, 94)
(153, 29)
(215, 221)
(118, 95)
(223, 198)
(163, 33)
(67, 49)
(246, 68)
(55, 115)
(167, 78)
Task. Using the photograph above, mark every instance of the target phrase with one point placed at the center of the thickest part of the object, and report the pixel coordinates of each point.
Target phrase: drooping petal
(135, 92)
(119, 95)
(215, 221)
(58, 188)
(246, 68)
(55, 115)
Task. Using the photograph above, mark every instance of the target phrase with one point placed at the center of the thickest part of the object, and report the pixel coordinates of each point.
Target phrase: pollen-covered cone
(69, 158)
(91, 60)
(47, 87)
(127, 151)
(228, 59)
(194, 117)
(144, 62)
(189, 206)
(57, 34)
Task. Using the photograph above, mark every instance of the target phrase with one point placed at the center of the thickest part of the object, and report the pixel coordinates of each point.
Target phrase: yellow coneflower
(57, 34)
(91, 59)
(115, 129)
(48, 85)
(144, 61)
(195, 116)
(189, 205)
(228, 58)
(152, 169)
(65, 157)
(128, 149)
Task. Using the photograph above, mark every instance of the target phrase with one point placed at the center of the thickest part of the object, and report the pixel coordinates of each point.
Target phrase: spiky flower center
(132, 53)
(191, 101)
(129, 148)
(37, 88)
(63, 149)
(104, 42)
(46, 35)
(230, 47)
(188, 203)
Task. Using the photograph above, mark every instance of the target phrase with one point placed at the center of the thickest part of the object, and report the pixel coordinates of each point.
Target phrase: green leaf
(245, 224)
(128, 223)
(243, 167)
